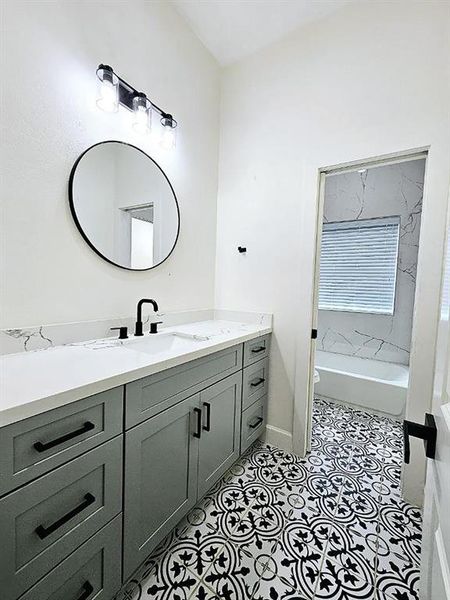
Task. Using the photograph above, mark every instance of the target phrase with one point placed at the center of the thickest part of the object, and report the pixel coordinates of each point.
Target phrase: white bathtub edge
(278, 437)
(393, 382)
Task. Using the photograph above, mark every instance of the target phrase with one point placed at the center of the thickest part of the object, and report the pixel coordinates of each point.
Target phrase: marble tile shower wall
(378, 192)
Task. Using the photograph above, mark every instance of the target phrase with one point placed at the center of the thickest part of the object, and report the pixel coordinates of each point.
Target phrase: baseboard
(279, 438)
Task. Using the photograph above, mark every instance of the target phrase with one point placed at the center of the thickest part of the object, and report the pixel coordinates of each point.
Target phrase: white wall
(50, 51)
(384, 191)
(370, 80)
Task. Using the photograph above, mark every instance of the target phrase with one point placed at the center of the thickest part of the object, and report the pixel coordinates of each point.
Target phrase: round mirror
(124, 206)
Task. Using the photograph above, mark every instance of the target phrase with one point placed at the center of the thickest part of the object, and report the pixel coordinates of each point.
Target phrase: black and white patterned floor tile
(331, 526)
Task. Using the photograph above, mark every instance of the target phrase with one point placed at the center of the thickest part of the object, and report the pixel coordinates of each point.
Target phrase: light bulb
(108, 92)
(169, 132)
(141, 114)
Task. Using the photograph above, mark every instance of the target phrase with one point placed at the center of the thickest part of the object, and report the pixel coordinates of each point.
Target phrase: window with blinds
(358, 265)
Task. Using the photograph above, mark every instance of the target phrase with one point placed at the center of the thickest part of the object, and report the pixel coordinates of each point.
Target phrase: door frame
(435, 555)
(302, 422)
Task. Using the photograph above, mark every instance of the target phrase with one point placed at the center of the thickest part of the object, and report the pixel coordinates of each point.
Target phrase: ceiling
(233, 29)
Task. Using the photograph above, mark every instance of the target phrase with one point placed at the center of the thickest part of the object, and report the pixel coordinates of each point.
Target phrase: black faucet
(139, 325)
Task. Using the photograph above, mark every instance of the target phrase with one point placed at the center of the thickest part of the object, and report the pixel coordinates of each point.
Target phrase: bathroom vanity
(90, 483)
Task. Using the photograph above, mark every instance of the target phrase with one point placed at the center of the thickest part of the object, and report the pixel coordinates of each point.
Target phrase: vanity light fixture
(108, 89)
(113, 90)
(169, 134)
(142, 114)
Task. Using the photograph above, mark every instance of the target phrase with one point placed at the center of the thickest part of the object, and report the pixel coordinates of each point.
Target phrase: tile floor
(331, 526)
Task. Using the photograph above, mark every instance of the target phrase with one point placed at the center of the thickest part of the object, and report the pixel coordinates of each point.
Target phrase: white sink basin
(161, 342)
(211, 329)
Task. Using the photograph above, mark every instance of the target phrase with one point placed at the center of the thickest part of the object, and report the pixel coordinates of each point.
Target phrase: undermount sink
(159, 343)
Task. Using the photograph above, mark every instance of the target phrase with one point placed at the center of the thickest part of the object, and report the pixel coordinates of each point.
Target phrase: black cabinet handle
(207, 427)
(257, 382)
(40, 447)
(258, 421)
(198, 433)
(258, 349)
(87, 591)
(44, 532)
(426, 432)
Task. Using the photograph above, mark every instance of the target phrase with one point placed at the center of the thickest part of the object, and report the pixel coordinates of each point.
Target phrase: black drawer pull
(44, 532)
(257, 382)
(207, 427)
(40, 447)
(198, 433)
(258, 349)
(258, 421)
(87, 591)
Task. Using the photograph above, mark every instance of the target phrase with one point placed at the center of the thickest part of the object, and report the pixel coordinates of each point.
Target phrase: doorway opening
(368, 257)
(365, 283)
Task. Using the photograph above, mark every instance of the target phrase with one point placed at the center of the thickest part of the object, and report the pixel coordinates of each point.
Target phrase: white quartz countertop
(34, 382)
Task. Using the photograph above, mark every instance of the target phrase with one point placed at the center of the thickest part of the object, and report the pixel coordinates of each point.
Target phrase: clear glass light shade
(142, 115)
(169, 133)
(108, 90)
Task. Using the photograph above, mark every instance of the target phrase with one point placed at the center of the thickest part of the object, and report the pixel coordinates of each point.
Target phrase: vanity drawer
(95, 567)
(253, 423)
(256, 349)
(151, 395)
(37, 445)
(46, 520)
(255, 382)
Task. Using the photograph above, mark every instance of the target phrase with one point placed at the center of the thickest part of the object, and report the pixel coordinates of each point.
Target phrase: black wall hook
(242, 249)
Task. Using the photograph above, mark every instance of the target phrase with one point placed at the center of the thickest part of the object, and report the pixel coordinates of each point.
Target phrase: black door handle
(40, 447)
(257, 382)
(258, 421)
(426, 432)
(207, 427)
(258, 349)
(44, 532)
(87, 591)
(198, 433)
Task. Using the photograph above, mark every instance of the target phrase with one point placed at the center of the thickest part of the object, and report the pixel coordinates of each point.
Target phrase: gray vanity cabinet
(219, 442)
(160, 478)
(69, 529)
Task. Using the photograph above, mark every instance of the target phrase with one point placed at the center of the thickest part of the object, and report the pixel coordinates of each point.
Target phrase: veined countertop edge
(39, 404)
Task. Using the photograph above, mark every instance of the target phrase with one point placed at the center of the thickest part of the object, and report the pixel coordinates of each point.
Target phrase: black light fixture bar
(127, 92)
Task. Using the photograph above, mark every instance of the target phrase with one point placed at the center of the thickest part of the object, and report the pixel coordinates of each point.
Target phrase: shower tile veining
(330, 526)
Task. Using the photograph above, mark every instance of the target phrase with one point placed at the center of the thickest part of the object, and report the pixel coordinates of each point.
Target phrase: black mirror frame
(78, 224)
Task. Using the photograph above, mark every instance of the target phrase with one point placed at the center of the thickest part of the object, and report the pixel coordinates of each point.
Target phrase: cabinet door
(160, 478)
(220, 436)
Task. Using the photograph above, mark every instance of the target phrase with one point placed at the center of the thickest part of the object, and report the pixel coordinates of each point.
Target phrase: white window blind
(358, 265)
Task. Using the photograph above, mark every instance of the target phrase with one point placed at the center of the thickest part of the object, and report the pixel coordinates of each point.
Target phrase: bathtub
(372, 384)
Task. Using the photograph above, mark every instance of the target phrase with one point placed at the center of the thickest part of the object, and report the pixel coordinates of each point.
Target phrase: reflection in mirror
(124, 205)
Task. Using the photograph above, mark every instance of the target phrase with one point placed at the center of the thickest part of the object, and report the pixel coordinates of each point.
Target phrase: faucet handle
(123, 332)
(154, 326)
